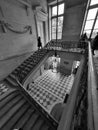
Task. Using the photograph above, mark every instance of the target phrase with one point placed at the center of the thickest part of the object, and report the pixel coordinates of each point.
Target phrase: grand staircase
(17, 112)
(22, 71)
(17, 108)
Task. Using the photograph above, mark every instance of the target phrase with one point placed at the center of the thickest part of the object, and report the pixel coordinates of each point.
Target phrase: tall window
(54, 20)
(93, 2)
(91, 24)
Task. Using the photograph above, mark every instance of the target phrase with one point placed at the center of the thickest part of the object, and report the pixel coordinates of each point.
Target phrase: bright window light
(54, 11)
(59, 28)
(60, 21)
(93, 2)
(54, 22)
(53, 35)
(54, 19)
(92, 13)
(59, 35)
(87, 32)
(96, 24)
(60, 9)
(94, 33)
(53, 29)
(89, 24)
(91, 18)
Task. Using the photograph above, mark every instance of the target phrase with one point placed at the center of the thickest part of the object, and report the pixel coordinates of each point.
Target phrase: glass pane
(59, 28)
(94, 33)
(87, 32)
(59, 35)
(60, 21)
(53, 29)
(54, 22)
(96, 25)
(89, 24)
(92, 13)
(61, 9)
(53, 35)
(94, 2)
(54, 10)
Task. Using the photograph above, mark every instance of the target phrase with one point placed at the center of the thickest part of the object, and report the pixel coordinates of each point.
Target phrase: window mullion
(94, 24)
(56, 30)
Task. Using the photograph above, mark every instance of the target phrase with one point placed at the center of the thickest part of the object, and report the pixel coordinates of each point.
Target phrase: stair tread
(17, 116)
(38, 124)
(31, 121)
(2, 97)
(10, 79)
(11, 112)
(24, 119)
(13, 76)
(9, 105)
(22, 115)
(44, 126)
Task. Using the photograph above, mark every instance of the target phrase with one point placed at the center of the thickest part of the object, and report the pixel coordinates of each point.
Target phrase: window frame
(95, 6)
(57, 16)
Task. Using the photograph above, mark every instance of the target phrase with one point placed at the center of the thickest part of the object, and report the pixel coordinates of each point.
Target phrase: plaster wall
(16, 14)
(73, 19)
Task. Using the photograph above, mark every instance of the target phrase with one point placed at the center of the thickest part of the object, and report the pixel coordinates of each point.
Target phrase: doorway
(40, 27)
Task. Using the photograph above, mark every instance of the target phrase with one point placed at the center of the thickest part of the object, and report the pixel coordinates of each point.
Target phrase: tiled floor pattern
(50, 88)
(3, 88)
(43, 97)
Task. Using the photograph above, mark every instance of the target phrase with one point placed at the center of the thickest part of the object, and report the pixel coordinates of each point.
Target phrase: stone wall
(73, 20)
(18, 16)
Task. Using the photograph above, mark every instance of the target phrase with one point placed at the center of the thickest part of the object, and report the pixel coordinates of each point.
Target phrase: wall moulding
(41, 14)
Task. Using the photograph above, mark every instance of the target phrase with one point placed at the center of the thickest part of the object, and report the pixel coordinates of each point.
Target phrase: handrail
(67, 116)
(92, 93)
(50, 120)
(66, 44)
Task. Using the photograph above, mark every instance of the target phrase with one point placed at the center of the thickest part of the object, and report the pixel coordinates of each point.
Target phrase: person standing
(95, 44)
(84, 37)
(39, 43)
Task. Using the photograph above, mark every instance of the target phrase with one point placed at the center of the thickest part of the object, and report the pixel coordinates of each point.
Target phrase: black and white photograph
(48, 64)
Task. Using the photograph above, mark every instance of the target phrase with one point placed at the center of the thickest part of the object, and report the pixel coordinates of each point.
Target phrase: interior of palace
(48, 73)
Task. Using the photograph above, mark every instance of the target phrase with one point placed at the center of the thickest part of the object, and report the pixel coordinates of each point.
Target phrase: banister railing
(48, 118)
(67, 121)
(66, 45)
(89, 98)
(92, 93)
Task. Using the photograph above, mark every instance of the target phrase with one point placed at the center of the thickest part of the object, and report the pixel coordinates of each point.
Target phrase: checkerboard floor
(3, 88)
(50, 88)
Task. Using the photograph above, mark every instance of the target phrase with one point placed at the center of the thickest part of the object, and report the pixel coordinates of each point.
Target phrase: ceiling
(35, 2)
(68, 2)
(39, 2)
(43, 3)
